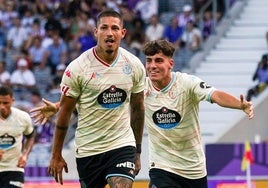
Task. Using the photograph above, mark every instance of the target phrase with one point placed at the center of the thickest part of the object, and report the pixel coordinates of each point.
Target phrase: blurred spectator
(192, 37)
(37, 53)
(27, 19)
(44, 134)
(145, 9)
(43, 78)
(128, 15)
(23, 6)
(4, 75)
(73, 8)
(114, 4)
(155, 29)
(35, 98)
(8, 14)
(35, 30)
(56, 80)
(16, 36)
(2, 41)
(84, 40)
(54, 90)
(24, 54)
(131, 3)
(207, 24)
(190, 43)
(52, 27)
(173, 32)
(52, 23)
(56, 53)
(22, 80)
(136, 36)
(261, 76)
(186, 15)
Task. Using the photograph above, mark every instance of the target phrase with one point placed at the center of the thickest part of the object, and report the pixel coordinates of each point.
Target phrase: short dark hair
(156, 46)
(5, 90)
(109, 13)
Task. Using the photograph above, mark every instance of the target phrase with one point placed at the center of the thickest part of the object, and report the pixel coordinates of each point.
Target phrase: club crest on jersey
(127, 69)
(6, 141)
(112, 97)
(204, 85)
(166, 118)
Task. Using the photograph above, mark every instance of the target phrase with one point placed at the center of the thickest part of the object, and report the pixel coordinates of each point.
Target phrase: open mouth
(109, 41)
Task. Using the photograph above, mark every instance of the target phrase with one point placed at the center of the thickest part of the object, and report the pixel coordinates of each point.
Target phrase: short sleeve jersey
(171, 117)
(12, 129)
(103, 94)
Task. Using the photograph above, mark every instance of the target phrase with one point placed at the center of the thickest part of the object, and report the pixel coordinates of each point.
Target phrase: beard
(109, 51)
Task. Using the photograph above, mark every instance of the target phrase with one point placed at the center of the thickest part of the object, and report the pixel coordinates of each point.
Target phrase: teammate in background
(16, 140)
(172, 101)
(105, 84)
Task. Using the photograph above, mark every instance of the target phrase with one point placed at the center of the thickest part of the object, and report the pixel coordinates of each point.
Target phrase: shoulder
(129, 57)
(82, 60)
(20, 114)
(185, 78)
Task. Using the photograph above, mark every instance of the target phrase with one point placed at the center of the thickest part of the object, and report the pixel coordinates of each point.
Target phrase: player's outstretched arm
(229, 101)
(43, 113)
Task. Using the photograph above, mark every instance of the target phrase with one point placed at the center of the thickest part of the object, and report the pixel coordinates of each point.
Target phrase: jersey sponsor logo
(204, 85)
(112, 97)
(127, 69)
(166, 118)
(6, 141)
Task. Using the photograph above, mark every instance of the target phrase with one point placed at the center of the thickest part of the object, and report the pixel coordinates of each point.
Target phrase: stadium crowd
(39, 38)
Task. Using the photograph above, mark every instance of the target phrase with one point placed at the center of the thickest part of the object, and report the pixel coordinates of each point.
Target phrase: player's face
(6, 102)
(109, 34)
(158, 69)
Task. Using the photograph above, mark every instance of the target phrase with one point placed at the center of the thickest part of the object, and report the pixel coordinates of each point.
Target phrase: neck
(162, 83)
(105, 55)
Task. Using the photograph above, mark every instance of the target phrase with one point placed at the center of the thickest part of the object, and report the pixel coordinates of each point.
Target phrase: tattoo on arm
(119, 182)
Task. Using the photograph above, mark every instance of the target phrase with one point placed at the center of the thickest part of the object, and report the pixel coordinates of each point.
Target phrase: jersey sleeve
(139, 77)
(201, 91)
(28, 124)
(70, 84)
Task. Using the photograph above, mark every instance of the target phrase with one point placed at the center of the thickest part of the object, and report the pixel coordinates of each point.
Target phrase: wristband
(138, 148)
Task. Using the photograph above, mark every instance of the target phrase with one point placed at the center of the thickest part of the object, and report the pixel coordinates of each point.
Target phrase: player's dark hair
(5, 90)
(109, 13)
(156, 46)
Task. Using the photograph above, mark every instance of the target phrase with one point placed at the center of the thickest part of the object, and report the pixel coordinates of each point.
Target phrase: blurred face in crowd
(2, 67)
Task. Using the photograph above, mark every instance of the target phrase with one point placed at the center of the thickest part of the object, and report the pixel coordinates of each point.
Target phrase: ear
(171, 62)
(95, 31)
(124, 32)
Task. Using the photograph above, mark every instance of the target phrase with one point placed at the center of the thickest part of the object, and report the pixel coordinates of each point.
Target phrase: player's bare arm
(229, 101)
(137, 124)
(57, 162)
